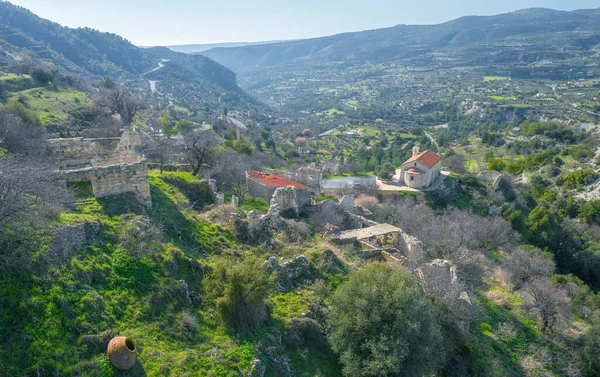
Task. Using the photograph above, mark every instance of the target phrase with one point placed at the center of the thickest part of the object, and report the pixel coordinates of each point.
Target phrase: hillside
(517, 38)
(28, 39)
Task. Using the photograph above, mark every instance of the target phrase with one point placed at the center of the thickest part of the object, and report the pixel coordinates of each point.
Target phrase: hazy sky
(159, 22)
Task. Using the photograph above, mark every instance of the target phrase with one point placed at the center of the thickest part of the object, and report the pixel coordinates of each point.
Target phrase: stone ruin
(309, 176)
(289, 201)
(439, 279)
(112, 166)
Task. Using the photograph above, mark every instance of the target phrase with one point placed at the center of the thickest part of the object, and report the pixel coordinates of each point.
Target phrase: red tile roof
(273, 180)
(427, 158)
(415, 170)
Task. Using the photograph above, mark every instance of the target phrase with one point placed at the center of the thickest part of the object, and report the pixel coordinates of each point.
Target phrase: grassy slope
(54, 316)
(52, 105)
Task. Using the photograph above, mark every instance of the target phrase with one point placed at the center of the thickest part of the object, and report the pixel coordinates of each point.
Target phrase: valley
(420, 200)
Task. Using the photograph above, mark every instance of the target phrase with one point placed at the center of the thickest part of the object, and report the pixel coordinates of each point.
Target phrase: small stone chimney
(415, 151)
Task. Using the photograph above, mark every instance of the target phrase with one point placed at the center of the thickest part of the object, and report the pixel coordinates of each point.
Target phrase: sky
(175, 22)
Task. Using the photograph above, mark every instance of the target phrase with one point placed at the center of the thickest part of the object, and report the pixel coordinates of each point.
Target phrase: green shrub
(384, 325)
(385, 171)
(578, 178)
(132, 272)
(239, 293)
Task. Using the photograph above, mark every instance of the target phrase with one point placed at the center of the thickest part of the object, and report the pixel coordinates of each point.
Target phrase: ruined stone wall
(258, 190)
(115, 180)
(77, 153)
(113, 165)
(309, 176)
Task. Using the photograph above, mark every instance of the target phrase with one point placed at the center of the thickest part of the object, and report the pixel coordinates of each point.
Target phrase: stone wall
(113, 165)
(309, 176)
(258, 190)
(115, 180)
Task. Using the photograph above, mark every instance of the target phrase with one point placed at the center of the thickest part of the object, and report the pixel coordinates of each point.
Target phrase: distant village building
(421, 170)
(263, 185)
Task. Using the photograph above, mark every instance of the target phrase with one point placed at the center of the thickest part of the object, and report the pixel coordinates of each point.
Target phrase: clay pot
(122, 352)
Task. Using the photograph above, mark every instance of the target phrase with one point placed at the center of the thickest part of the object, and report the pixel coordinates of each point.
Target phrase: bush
(240, 291)
(578, 178)
(590, 212)
(384, 325)
(44, 75)
(385, 171)
(132, 272)
(305, 333)
(589, 352)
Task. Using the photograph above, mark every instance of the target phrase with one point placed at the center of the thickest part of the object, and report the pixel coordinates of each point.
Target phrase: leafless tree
(30, 194)
(27, 185)
(456, 163)
(524, 267)
(200, 147)
(20, 138)
(120, 101)
(229, 170)
(547, 302)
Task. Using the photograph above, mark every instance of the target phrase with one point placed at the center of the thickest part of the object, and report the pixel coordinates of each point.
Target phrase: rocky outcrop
(70, 238)
(292, 274)
(347, 203)
(258, 368)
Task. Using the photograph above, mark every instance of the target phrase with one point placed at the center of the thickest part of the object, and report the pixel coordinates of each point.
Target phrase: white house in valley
(421, 170)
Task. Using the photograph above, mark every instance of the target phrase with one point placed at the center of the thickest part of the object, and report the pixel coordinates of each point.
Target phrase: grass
(250, 204)
(353, 102)
(331, 112)
(494, 78)
(503, 98)
(52, 105)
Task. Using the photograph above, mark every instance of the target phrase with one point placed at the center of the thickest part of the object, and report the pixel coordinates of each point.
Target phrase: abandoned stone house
(112, 166)
(421, 170)
(263, 185)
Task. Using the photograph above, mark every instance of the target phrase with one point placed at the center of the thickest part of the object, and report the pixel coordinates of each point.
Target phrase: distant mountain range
(531, 36)
(27, 38)
(197, 48)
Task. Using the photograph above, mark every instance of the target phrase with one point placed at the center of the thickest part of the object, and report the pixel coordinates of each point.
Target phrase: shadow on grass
(118, 205)
(193, 234)
(136, 371)
(198, 193)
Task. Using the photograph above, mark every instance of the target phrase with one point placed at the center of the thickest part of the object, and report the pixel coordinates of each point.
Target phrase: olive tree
(382, 324)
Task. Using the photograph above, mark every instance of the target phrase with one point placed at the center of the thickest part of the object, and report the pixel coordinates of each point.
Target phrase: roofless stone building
(112, 166)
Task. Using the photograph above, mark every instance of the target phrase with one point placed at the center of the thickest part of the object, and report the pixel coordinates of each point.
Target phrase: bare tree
(229, 170)
(456, 163)
(200, 147)
(547, 302)
(30, 192)
(524, 267)
(18, 137)
(120, 101)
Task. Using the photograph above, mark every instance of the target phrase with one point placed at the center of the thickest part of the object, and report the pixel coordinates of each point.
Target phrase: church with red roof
(421, 170)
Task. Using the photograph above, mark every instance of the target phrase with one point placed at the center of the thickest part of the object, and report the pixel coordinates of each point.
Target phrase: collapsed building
(111, 165)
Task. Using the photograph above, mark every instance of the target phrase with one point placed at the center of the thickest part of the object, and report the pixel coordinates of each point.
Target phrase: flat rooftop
(364, 233)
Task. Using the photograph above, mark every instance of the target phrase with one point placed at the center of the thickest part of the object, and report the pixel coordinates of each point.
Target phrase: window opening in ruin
(81, 190)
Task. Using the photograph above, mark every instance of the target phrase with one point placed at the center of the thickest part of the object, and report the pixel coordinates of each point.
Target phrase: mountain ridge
(26, 38)
(406, 41)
